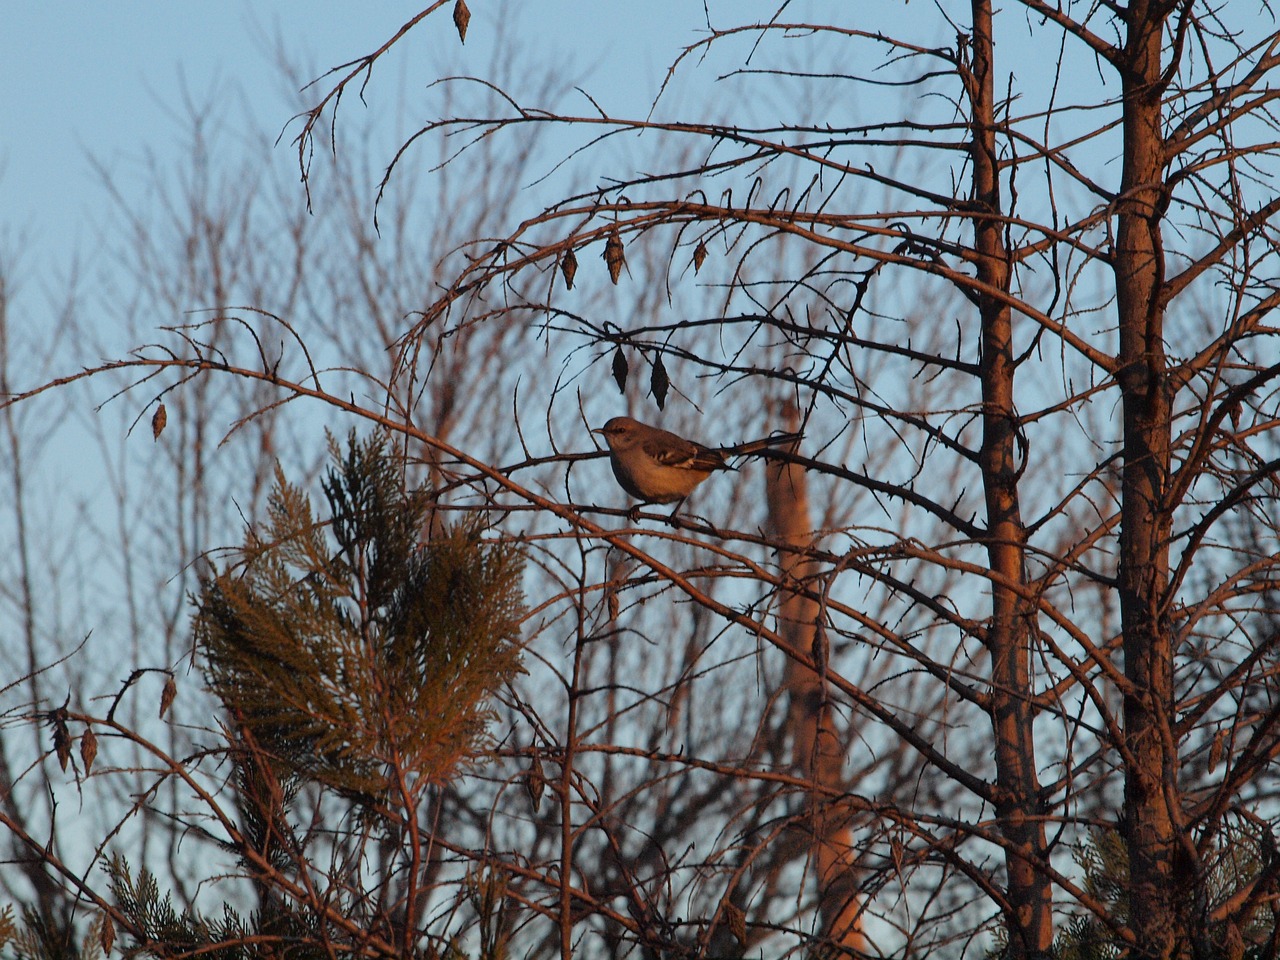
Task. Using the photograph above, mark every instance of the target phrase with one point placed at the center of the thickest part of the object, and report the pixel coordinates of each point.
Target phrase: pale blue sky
(88, 88)
(104, 81)
(101, 80)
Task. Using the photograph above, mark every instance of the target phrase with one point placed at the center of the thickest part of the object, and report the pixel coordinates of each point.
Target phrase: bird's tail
(764, 443)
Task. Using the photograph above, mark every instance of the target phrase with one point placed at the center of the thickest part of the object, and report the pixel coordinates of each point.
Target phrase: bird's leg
(671, 519)
(715, 531)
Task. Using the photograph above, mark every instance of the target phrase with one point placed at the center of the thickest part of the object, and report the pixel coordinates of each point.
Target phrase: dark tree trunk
(1030, 897)
(1150, 751)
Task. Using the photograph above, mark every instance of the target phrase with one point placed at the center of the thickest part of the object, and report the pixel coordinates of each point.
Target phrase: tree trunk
(1149, 751)
(1029, 920)
(817, 751)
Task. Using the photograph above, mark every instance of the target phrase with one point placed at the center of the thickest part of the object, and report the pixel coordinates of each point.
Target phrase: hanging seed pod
(699, 256)
(535, 783)
(158, 420)
(613, 256)
(106, 935)
(461, 17)
(659, 382)
(569, 268)
(1215, 750)
(88, 749)
(167, 696)
(620, 369)
(62, 742)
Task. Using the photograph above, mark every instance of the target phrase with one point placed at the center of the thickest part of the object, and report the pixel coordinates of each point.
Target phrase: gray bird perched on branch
(657, 466)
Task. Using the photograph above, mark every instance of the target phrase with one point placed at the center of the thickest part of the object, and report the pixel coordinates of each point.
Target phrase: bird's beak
(598, 430)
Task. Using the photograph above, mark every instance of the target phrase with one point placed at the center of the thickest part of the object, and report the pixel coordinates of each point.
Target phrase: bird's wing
(675, 451)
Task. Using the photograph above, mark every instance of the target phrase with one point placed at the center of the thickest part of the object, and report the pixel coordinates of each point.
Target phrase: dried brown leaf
(620, 369)
(107, 934)
(614, 256)
(158, 420)
(167, 696)
(62, 742)
(535, 783)
(88, 749)
(461, 17)
(737, 922)
(699, 256)
(659, 382)
(569, 268)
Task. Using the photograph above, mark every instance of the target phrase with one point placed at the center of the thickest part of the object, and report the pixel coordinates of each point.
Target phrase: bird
(657, 466)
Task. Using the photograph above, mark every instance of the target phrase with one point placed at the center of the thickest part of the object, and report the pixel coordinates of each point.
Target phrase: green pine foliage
(356, 652)
(274, 933)
(359, 654)
(42, 936)
(161, 926)
(1106, 878)
(1234, 862)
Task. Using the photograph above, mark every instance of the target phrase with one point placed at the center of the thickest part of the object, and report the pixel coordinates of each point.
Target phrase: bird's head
(621, 433)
